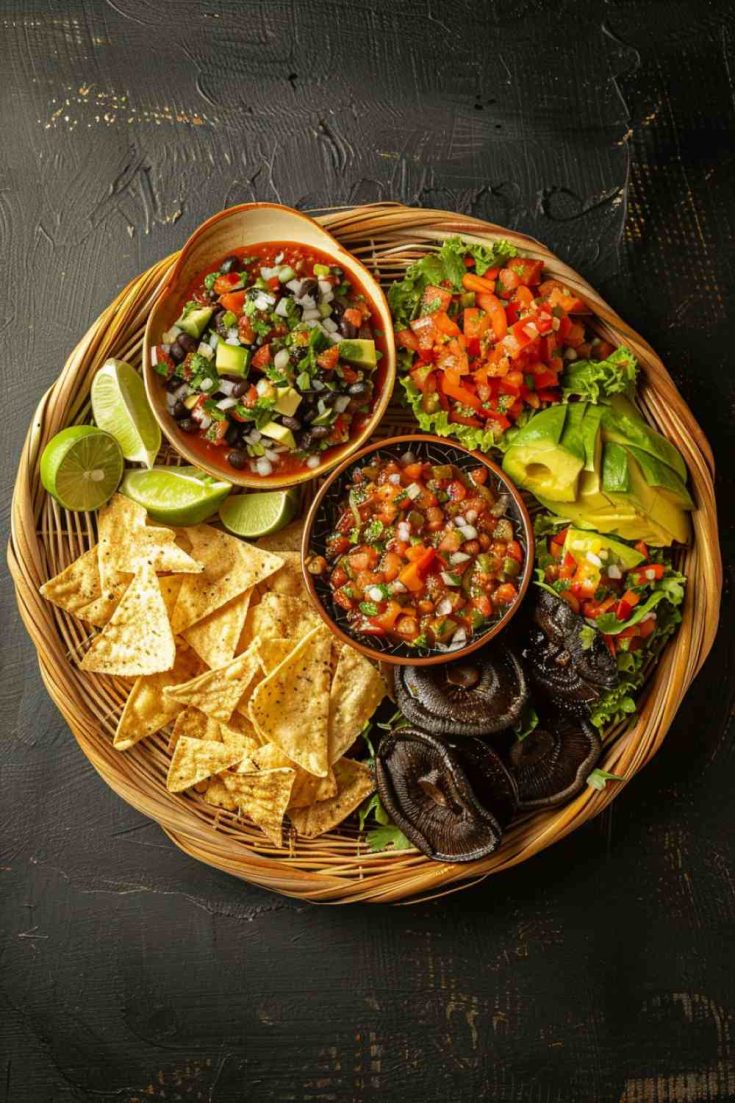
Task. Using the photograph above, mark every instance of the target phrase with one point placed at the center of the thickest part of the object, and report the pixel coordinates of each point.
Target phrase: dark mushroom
(452, 802)
(572, 675)
(552, 764)
(479, 695)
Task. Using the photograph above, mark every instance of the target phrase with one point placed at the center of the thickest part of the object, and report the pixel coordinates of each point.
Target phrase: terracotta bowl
(238, 227)
(323, 515)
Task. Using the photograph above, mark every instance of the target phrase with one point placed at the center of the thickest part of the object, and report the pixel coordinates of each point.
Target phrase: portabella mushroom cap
(553, 762)
(451, 802)
(480, 695)
(572, 676)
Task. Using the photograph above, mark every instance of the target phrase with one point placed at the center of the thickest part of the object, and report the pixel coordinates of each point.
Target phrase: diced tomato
(391, 565)
(329, 358)
(571, 600)
(528, 271)
(163, 358)
(546, 379)
(514, 551)
(406, 339)
(505, 594)
(425, 331)
(233, 300)
(339, 576)
(452, 357)
(496, 312)
(602, 350)
(363, 560)
(408, 627)
(444, 324)
(471, 282)
(523, 297)
(245, 331)
(435, 298)
(648, 572)
(642, 549)
(262, 357)
(627, 604)
(343, 599)
(388, 617)
(479, 475)
(474, 322)
(575, 336)
(647, 628)
(508, 281)
(353, 316)
(412, 575)
(226, 283)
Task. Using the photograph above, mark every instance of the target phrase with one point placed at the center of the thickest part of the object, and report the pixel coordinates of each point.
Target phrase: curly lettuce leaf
(619, 702)
(596, 379)
(670, 588)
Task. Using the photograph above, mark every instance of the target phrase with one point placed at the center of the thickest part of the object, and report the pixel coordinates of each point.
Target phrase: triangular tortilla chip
(354, 781)
(77, 585)
(284, 616)
(230, 568)
(357, 690)
(125, 541)
(306, 788)
(147, 710)
(219, 795)
(291, 706)
(289, 579)
(99, 611)
(217, 692)
(194, 760)
(170, 585)
(138, 638)
(263, 797)
(196, 724)
(286, 539)
(215, 638)
(272, 652)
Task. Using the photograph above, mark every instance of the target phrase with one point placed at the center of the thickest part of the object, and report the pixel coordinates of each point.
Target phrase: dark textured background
(602, 970)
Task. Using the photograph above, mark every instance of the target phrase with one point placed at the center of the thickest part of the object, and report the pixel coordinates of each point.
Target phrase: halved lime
(176, 495)
(120, 405)
(81, 467)
(260, 512)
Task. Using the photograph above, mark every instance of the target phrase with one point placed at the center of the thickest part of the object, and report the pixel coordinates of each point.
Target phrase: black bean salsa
(273, 360)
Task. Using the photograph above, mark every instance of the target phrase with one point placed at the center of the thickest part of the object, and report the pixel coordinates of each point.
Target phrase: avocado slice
(616, 518)
(539, 460)
(279, 433)
(663, 477)
(579, 542)
(232, 359)
(547, 425)
(615, 475)
(288, 401)
(360, 351)
(572, 438)
(591, 436)
(623, 424)
(195, 321)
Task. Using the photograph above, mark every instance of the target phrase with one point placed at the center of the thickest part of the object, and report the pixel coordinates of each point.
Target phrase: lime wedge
(120, 405)
(176, 495)
(81, 467)
(260, 512)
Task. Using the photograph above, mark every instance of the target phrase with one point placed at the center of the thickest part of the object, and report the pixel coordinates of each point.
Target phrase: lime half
(120, 405)
(81, 467)
(176, 495)
(260, 512)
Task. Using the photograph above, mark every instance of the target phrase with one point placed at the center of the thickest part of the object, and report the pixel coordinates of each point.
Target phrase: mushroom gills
(451, 801)
(480, 695)
(553, 762)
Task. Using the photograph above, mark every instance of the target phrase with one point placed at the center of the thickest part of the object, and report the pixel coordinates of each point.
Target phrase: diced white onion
(294, 285)
(604, 553)
(264, 467)
(205, 421)
(468, 532)
(648, 616)
(471, 516)
(313, 461)
(253, 436)
(263, 386)
(263, 302)
(341, 403)
(460, 521)
(154, 355)
(268, 273)
(318, 385)
(278, 258)
(403, 531)
(205, 350)
(458, 557)
(281, 359)
(226, 386)
(651, 575)
(226, 403)
(214, 340)
(413, 491)
(271, 454)
(594, 559)
(310, 315)
(444, 607)
(395, 479)
(570, 354)
(286, 273)
(613, 571)
(397, 587)
(501, 506)
(206, 385)
(449, 579)
(282, 307)
(374, 593)
(459, 639)
(325, 287)
(330, 325)
(335, 338)
(171, 334)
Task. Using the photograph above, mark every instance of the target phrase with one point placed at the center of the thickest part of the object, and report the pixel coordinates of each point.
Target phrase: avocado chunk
(360, 352)
(663, 477)
(288, 401)
(591, 436)
(539, 460)
(195, 321)
(279, 433)
(615, 474)
(232, 359)
(623, 424)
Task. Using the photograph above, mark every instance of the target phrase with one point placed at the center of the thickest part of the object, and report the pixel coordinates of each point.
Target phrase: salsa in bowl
(418, 551)
(274, 358)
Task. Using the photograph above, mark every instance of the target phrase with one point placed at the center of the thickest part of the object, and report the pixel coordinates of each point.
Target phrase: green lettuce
(595, 379)
(480, 439)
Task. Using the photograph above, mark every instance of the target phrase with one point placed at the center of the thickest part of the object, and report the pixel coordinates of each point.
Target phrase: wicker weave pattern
(335, 868)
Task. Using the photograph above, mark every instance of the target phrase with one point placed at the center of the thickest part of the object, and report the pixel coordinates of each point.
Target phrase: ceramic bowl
(324, 513)
(239, 227)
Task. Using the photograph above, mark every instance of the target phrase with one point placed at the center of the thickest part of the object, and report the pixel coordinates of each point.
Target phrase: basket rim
(339, 872)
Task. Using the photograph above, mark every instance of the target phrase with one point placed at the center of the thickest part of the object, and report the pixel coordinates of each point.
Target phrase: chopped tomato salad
(422, 553)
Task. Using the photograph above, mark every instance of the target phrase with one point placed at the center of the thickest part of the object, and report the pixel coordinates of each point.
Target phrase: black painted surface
(600, 971)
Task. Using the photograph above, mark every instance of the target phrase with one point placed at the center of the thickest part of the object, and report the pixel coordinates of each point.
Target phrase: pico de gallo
(617, 588)
(485, 339)
(424, 554)
(273, 360)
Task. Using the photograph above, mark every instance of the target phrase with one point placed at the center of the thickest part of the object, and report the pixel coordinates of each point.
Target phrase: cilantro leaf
(587, 637)
(598, 779)
(389, 837)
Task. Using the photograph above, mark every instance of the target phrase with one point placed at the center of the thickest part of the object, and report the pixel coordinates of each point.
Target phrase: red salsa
(273, 361)
(422, 553)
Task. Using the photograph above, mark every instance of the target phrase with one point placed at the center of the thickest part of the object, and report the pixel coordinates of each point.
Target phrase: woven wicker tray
(336, 867)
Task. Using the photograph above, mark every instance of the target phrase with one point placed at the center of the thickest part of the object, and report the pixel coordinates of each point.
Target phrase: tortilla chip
(138, 638)
(215, 638)
(291, 706)
(289, 579)
(219, 795)
(230, 568)
(217, 692)
(126, 541)
(194, 760)
(272, 652)
(306, 788)
(357, 690)
(354, 782)
(263, 797)
(196, 725)
(284, 616)
(286, 539)
(170, 585)
(76, 586)
(147, 710)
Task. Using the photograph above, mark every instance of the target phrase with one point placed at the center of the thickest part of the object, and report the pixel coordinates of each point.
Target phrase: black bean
(338, 309)
(305, 441)
(291, 423)
(357, 388)
(212, 296)
(240, 388)
(348, 330)
(237, 458)
(309, 287)
(230, 264)
(173, 383)
(180, 411)
(176, 352)
(188, 425)
(319, 431)
(233, 436)
(187, 342)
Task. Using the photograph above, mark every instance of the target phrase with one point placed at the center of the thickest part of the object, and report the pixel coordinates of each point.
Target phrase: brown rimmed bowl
(235, 228)
(323, 515)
